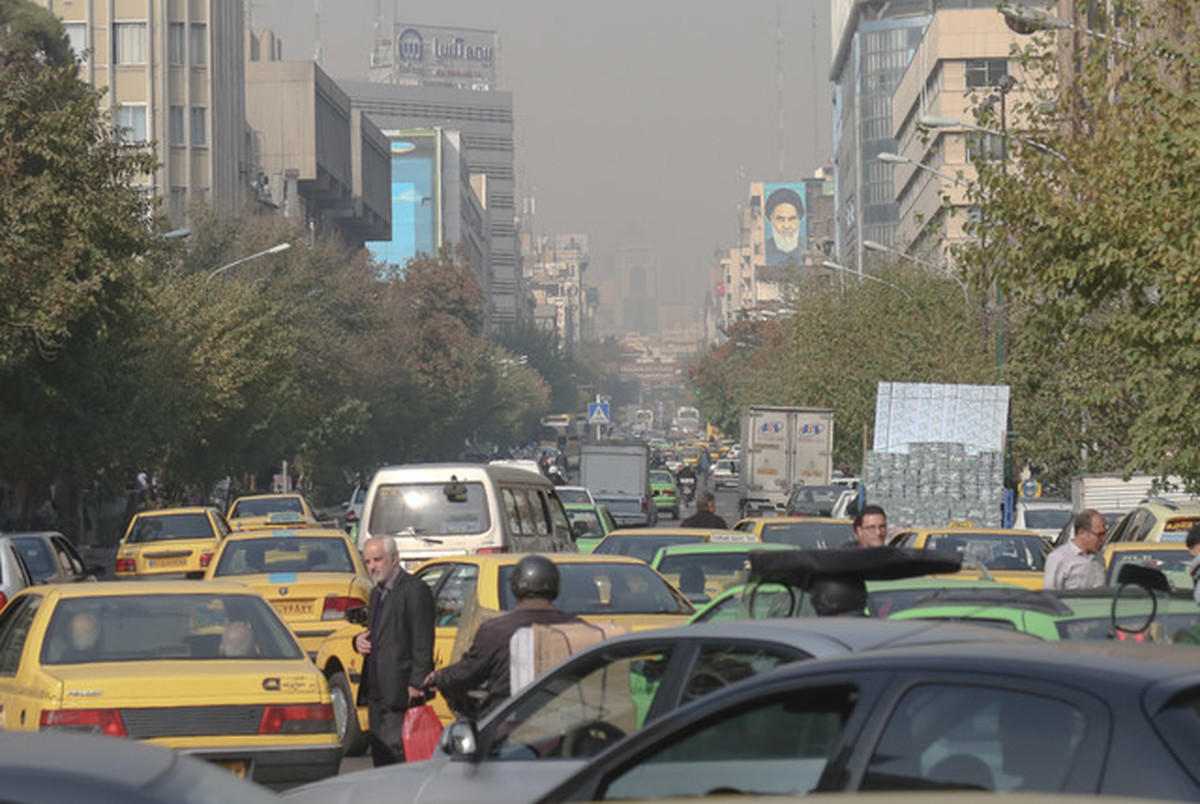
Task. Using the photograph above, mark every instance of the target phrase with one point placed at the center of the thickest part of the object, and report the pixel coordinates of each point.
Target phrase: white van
(439, 509)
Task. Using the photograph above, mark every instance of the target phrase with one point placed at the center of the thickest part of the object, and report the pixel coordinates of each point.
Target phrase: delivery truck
(782, 447)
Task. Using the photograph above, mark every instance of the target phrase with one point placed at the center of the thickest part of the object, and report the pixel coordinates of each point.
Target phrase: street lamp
(272, 250)
(880, 247)
(936, 121)
(833, 266)
(897, 159)
(1027, 20)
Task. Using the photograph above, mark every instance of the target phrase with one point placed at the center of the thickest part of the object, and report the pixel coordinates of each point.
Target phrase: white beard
(787, 244)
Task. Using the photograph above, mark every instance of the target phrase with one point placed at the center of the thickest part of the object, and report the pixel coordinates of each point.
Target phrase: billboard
(415, 200)
(433, 55)
(785, 222)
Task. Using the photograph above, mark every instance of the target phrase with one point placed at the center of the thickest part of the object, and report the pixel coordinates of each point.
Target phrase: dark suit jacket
(402, 640)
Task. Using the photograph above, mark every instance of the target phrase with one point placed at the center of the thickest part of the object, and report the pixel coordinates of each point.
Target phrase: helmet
(834, 596)
(534, 576)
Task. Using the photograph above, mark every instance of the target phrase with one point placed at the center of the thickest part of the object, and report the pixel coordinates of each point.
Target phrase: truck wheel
(345, 715)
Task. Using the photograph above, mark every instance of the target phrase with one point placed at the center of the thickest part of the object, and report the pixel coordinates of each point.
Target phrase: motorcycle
(687, 488)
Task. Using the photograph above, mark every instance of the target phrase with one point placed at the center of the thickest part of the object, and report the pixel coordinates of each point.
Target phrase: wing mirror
(461, 740)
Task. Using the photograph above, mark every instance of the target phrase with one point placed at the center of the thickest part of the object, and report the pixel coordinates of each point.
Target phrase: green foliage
(839, 344)
(1093, 235)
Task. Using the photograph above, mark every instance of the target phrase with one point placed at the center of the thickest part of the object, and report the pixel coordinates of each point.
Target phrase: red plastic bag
(422, 730)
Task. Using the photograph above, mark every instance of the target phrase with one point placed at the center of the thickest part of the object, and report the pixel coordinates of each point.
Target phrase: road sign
(598, 413)
(1031, 488)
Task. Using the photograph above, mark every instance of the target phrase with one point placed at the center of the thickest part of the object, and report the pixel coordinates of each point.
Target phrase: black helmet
(534, 576)
(834, 595)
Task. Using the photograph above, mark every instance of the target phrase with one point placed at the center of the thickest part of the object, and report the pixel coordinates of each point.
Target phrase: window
(176, 129)
(178, 204)
(199, 125)
(721, 665)
(175, 43)
(778, 745)
(198, 39)
(976, 737)
(131, 122)
(77, 34)
(129, 42)
(980, 145)
(14, 630)
(584, 710)
(985, 72)
(450, 600)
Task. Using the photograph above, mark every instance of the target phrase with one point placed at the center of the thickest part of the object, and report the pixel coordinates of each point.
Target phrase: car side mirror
(460, 740)
(357, 615)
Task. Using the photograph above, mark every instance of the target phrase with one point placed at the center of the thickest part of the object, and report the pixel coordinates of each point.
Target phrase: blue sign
(598, 413)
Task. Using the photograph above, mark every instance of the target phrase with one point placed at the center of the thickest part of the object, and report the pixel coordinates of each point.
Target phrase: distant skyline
(654, 115)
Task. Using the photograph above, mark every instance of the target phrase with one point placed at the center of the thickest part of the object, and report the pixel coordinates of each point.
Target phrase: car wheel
(345, 715)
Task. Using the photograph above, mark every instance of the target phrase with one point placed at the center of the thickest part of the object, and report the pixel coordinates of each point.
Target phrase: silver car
(550, 729)
(14, 573)
(52, 558)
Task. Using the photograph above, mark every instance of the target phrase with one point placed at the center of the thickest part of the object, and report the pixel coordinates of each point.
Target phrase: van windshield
(420, 509)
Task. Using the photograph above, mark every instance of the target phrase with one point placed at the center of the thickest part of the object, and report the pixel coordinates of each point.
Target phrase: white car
(574, 495)
(354, 506)
(14, 572)
(725, 473)
(1047, 516)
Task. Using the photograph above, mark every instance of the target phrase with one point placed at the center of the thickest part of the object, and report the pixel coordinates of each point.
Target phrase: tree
(1092, 235)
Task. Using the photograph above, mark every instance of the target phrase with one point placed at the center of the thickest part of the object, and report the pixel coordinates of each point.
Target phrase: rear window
(265, 506)
(642, 547)
(37, 556)
(598, 588)
(135, 628)
(994, 551)
(285, 554)
(167, 527)
(1047, 519)
(416, 509)
(573, 496)
(811, 535)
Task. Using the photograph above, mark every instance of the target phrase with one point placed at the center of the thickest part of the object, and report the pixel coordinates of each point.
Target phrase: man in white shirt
(1077, 564)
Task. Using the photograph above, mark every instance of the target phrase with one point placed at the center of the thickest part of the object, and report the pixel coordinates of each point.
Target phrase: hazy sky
(654, 113)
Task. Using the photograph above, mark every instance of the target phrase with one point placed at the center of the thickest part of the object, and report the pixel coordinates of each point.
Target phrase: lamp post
(1026, 20)
(897, 159)
(833, 266)
(936, 121)
(272, 250)
(871, 245)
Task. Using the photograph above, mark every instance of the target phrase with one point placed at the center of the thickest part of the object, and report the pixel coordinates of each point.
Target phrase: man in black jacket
(706, 514)
(398, 647)
(534, 583)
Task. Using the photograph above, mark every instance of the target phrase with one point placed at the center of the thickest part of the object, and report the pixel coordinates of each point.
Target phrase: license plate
(291, 608)
(235, 766)
(162, 563)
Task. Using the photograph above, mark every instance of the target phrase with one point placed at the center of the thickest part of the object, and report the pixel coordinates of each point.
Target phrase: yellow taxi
(1001, 554)
(810, 533)
(312, 576)
(644, 543)
(170, 541)
(1172, 558)
(205, 668)
(270, 511)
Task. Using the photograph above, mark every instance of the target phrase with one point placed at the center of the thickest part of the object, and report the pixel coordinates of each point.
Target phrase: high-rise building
(431, 76)
(174, 74)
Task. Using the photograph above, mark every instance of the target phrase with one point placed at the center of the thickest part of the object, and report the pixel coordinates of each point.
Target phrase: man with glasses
(1077, 564)
(870, 527)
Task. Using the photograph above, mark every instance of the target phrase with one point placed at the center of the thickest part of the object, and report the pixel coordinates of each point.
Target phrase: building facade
(554, 274)
(174, 74)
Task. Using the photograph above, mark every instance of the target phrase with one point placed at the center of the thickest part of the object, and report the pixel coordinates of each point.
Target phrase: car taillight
(297, 719)
(337, 605)
(351, 517)
(205, 559)
(3, 601)
(487, 551)
(669, 493)
(107, 722)
(126, 565)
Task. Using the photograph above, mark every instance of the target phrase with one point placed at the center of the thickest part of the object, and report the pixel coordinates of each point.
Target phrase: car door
(454, 584)
(20, 700)
(973, 731)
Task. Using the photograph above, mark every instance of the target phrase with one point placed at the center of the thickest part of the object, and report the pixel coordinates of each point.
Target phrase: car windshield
(600, 588)
(1046, 518)
(996, 551)
(815, 500)
(705, 573)
(418, 509)
(167, 527)
(807, 534)
(1172, 563)
(573, 496)
(178, 627)
(285, 554)
(662, 477)
(265, 506)
(589, 518)
(643, 547)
